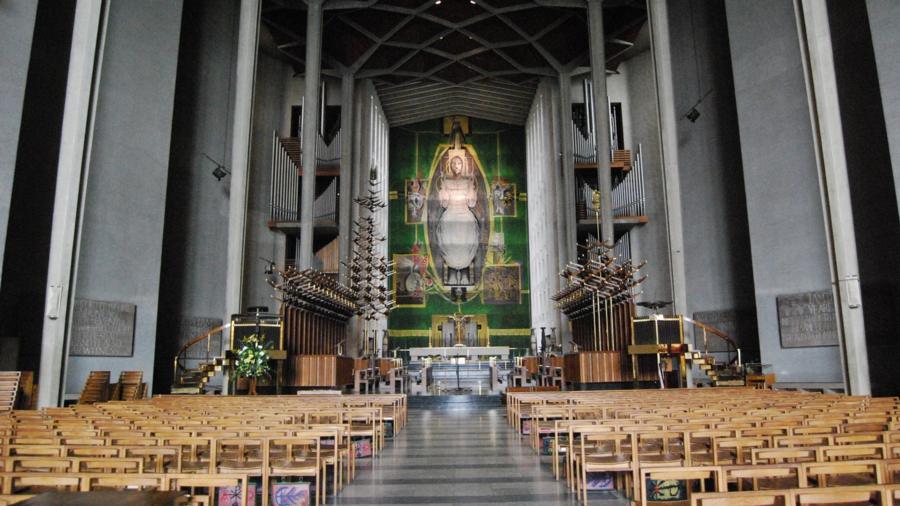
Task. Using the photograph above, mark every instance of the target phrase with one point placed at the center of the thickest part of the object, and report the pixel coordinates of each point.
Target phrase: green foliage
(253, 358)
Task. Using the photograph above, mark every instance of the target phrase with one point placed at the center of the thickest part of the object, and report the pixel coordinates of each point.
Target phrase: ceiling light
(220, 171)
(472, 2)
(692, 115)
(437, 2)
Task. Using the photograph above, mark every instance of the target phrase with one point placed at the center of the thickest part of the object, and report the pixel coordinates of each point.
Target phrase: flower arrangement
(253, 360)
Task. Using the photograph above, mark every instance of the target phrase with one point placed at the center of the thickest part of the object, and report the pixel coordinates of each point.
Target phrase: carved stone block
(807, 319)
(102, 329)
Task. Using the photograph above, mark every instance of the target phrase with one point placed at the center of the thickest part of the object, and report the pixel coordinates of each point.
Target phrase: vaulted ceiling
(432, 58)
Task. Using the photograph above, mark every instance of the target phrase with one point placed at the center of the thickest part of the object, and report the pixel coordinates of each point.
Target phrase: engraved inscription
(102, 329)
(807, 319)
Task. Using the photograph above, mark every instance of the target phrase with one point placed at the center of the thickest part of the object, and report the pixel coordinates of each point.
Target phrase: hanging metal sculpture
(368, 267)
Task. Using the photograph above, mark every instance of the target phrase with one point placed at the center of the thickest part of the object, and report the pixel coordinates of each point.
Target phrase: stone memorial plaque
(102, 329)
(807, 319)
(725, 320)
(189, 327)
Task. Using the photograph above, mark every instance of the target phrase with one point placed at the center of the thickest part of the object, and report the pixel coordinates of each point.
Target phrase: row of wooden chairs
(703, 478)
(199, 489)
(886, 495)
(622, 432)
(287, 436)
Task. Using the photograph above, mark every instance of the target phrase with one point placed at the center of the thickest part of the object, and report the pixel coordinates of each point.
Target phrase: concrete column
(567, 162)
(74, 154)
(248, 40)
(828, 138)
(601, 119)
(668, 135)
(311, 80)
(346, 174)
(17, 23)
(552, 158)
(543, 259)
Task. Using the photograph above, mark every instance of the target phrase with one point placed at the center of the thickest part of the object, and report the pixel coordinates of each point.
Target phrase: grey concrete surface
(16, 29)
(122, 229)
(784, 206)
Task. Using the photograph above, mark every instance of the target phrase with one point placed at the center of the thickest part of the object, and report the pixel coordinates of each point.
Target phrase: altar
(469, 352)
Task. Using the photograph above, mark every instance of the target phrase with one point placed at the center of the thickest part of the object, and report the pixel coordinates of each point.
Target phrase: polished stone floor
(465, 455)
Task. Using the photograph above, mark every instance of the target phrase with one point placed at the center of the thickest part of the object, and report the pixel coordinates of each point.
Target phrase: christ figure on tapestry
(458, 231)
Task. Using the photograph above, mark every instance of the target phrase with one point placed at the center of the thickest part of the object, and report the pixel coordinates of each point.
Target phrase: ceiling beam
(534, 43)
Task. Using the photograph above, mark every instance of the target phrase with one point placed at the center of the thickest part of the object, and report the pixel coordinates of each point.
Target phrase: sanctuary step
(454, 401)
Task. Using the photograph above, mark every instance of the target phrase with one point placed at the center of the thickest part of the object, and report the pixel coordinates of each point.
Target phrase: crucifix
(459, 327)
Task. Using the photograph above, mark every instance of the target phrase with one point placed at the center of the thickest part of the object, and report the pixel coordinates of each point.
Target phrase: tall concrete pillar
(311, 80)
(668, 135)
(346, 174)
(567, 162)
(74, 156)
(17, 23)
(553, 160)
(601, 119)
(543, 259)
(825, 115)
(248, 40)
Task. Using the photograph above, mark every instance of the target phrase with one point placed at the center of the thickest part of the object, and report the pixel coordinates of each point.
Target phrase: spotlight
(220, 171)
(692, 115)
(472, 2)
(437, 2)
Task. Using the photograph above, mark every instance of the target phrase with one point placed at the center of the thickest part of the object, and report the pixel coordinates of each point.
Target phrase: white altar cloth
(460, 351)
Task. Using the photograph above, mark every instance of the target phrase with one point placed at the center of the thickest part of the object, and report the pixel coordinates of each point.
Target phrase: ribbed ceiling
(433, 58)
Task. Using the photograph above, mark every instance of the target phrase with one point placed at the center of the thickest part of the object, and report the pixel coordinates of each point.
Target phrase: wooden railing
(708, 332)
(207, 337)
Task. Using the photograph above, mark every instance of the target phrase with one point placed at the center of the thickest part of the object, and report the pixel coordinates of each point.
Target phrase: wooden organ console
(316, 310)
(598, 299)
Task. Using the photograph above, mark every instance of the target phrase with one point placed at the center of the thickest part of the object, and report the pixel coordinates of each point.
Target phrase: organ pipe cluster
(602, 291)
(312, 291)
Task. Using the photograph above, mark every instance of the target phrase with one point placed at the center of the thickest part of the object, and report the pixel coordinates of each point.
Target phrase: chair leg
(583, 485)
(556, 457)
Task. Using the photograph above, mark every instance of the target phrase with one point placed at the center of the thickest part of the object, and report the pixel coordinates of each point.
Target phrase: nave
(463, 455)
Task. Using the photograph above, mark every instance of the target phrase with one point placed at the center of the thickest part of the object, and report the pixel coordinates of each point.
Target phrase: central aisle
(466, 455)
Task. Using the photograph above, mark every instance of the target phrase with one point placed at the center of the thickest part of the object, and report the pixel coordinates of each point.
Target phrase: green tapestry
(459, 234)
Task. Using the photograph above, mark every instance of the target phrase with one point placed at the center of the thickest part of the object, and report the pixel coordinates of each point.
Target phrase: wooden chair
(659, 447)
(96, 388)
(857, 472)
(705, 449)
(852, 452)
(196, 454)
(841, 495)
(689, 475)
(91, 482)
(749, 498)
(211, 483)
(783, 455)
(25, 482)
(739, 448)
(96, 452)
(610, 452)
(239, 455)
(798, 441)
(156, 459)
(295, 457)
(9, 500)
(764, 477)
(118, 465)
(130, 386)
(38, 464)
